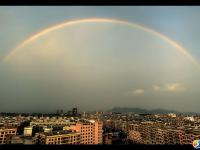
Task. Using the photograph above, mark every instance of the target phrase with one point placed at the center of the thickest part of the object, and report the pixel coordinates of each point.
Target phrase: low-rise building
(107, 139)
(28, 131)
(58, 137)
(18, 139)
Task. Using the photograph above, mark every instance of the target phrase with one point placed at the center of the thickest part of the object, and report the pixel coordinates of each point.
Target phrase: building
(28, 131)
(61, 112)
(134, 136)
(18, 139)
(29, 140)
(90, 130)
(58, 137)
(6, 135)
(74, 111)
(47, 130)
(107, 138)
(159, 137)
(134, 127)
(191, 135)
(49, 122)
(172, 115)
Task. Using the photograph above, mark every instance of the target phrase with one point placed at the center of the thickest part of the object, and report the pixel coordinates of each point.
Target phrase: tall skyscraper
(74, 111)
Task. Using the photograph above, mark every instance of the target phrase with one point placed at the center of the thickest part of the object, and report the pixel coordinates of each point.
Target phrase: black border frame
(99, 3)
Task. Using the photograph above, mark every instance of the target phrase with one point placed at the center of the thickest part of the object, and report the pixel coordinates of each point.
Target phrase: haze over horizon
(99, 65)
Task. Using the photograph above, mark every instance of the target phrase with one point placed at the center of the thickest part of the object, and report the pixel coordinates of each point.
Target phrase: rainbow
(178, 47)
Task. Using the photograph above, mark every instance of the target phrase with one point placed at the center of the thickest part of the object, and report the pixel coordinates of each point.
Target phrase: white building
(28, 131)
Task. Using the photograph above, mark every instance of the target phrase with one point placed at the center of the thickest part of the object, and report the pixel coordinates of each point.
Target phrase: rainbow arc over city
(34, 37)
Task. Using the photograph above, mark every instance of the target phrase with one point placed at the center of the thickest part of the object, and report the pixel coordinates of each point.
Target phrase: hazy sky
(97, 66)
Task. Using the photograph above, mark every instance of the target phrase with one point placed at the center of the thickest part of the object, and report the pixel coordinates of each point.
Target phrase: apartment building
(6, 135)
(46, 122)
(146, 132)
(134, 127)
(107, 138)
(135, 136)
(28, 131)
(58, 137)
(20, 139)
(90, 130)
(191, 135)
(159, 136)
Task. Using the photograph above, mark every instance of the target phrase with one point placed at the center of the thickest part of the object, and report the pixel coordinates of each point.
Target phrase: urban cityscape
(98, 128)
(96, 75)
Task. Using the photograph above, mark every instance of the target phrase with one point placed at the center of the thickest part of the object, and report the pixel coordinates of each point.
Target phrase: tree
(20, 129)
(122, 135)
(37, 129)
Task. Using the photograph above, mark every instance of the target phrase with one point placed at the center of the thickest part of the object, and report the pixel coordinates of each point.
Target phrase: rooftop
(5, 128)
(61, 132)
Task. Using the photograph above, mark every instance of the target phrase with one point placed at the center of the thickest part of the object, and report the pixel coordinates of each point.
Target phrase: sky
(99, 65)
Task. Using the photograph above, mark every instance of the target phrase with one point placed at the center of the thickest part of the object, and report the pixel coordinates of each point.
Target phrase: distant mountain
(128, 109)
(145, 111)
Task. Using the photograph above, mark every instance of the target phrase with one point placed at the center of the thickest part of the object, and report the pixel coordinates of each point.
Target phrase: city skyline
(99, 58)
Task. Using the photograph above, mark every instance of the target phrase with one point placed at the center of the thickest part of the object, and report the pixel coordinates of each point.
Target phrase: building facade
(28, 131)
(6, 135)
(90, 131)
(58, 138)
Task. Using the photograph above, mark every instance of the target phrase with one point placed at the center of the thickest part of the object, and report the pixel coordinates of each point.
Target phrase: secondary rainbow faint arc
(178, 47)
